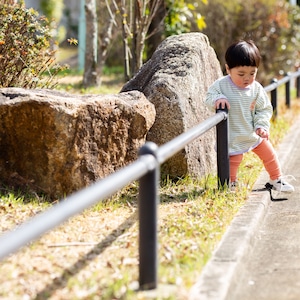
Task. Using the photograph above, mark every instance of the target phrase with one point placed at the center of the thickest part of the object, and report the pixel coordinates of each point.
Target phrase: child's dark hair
(242, 53)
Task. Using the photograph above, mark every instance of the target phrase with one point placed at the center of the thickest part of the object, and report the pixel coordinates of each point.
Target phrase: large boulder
(58, 143)
(176, 80)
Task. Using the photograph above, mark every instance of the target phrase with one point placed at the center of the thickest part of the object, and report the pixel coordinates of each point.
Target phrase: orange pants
(266, 153)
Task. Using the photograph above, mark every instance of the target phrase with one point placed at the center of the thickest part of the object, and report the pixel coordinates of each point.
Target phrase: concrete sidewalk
(259, 255)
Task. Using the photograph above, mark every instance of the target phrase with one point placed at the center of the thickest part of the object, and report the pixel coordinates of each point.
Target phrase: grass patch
(71, 82)
(70, 79)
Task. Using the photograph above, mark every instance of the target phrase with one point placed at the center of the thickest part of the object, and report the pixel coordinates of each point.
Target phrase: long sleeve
(213, 94)
(263, 111)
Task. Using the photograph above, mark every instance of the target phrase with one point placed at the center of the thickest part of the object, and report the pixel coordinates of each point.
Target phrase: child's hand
(222, 103)
(262, 133)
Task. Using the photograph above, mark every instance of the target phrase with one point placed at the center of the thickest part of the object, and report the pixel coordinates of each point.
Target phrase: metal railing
(273, 89)
(146, 170)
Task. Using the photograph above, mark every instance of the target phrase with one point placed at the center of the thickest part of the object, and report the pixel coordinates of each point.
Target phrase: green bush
(25, 55)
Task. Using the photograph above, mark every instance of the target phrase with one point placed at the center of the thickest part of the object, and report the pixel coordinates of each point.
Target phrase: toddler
(249, 112)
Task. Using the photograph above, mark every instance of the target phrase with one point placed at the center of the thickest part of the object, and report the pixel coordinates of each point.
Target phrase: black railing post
(222, 151)
(288, 92)
(148, 202)
(274, 98)
(298, 85)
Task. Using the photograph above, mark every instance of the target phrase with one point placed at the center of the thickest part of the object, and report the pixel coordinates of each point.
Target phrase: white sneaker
(281, 186)
(234, 186)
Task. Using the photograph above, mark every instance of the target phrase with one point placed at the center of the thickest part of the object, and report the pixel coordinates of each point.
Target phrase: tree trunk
(156, 30)
(104, 40)
(126, 49)
(90, 76)
(144, 12)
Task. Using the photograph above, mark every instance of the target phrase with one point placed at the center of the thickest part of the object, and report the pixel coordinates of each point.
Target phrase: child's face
(242, 76)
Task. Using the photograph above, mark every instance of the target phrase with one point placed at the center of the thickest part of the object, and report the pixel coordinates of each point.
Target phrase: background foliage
(53, 10)
(273, 25)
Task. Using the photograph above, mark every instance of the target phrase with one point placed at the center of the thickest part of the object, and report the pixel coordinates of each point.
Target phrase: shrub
(25, 54)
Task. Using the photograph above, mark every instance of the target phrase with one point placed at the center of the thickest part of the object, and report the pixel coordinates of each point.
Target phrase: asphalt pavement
(258, 257)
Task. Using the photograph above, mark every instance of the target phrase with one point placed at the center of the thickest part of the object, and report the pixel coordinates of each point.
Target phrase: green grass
(71, 82)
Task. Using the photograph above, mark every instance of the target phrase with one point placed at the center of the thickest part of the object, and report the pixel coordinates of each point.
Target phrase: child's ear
(227, 69)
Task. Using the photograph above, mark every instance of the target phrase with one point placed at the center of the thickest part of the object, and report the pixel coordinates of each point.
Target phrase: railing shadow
(59, 282)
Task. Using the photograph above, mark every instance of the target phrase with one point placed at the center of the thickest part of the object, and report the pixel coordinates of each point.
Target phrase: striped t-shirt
(250, 108)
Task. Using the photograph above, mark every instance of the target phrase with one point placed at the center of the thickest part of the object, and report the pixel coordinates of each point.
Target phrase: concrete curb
(227, 261)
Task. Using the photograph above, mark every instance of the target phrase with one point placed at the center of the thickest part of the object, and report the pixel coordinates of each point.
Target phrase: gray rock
(176, 80)
(58, 143)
